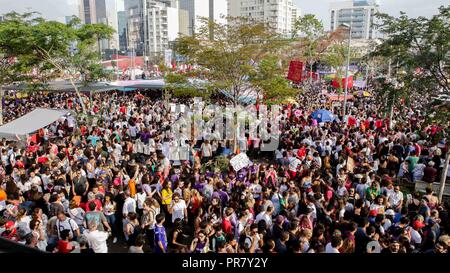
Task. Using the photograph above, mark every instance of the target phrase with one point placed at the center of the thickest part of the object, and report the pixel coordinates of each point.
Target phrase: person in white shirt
(293, 164)
(129, 205)
(395, 199)
(266, 216)
(178, 208)
(96, 239)
(334, 245)
(63, 222)
(206, 151)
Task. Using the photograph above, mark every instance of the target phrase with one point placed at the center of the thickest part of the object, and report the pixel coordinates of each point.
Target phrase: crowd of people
(345, 186)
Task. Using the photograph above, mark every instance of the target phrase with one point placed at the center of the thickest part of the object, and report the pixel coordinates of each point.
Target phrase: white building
(153, 24)
(163, 26)
(101, 11)
(357, 13)
(279, 13)
(296, 14)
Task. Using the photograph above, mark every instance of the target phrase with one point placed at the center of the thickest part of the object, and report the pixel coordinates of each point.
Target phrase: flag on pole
(295, 71)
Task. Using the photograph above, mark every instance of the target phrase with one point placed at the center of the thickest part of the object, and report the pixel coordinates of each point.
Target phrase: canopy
(323, 115)
(29, 123)
(362, 94)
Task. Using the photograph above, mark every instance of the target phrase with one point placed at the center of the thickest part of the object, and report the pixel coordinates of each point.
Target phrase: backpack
(136, 231)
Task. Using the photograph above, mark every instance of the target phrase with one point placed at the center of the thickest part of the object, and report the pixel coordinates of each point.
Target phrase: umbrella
(323, 115)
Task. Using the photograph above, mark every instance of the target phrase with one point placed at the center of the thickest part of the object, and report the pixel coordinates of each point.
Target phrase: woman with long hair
(179, 238)
(166, 195)
(200, 244)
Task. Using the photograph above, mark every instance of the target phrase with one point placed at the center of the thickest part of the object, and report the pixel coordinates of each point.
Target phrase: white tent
(30, 123)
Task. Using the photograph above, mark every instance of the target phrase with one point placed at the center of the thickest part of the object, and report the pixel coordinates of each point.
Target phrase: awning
(30, 123)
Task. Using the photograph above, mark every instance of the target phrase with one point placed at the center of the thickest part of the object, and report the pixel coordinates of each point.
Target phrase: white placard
(240, 161)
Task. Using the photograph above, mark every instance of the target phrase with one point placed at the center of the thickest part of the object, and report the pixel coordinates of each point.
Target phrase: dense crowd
(345, 186)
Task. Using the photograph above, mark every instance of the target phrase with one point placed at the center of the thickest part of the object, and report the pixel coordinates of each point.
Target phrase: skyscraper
(153, 24)
(196, 10)
(357, 13)
(122, 28)
(101, 11)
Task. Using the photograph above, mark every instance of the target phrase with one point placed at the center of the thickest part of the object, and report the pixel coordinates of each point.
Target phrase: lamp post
(347, 67)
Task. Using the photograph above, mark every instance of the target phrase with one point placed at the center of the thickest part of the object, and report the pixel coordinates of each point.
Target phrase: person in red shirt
(32, 148)
(42, 159)
(64, 245)
(301, 153)
(226, 222)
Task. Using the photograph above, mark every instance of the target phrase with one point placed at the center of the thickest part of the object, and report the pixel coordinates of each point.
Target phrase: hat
(418, 224)
(373, 212)
(390, 212)
(9, 224)
(358, 176)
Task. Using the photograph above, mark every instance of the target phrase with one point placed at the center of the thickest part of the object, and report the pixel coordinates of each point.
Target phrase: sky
(58, 9)
(413, 8)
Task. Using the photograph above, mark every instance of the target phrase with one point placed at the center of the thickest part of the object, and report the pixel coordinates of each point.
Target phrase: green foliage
(308, 26)
(231, 55)
(271, 81)
(419, 50)
(181, 87)
(51, 48)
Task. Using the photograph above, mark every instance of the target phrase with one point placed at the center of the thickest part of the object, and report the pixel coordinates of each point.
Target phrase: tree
(231, 60)
(77, 56)
(309, 31)
(420, 49)
(45, 50)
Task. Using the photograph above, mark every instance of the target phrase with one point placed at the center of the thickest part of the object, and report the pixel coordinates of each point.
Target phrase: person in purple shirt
(145, 136)
(222, 195)
(160, 235)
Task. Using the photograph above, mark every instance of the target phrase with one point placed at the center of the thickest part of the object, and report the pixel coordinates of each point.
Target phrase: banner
(335, 82)
(168, 57)
(240, 161)
(295, 71)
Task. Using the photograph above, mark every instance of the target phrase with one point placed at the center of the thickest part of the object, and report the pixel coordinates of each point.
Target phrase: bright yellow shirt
(165, 193)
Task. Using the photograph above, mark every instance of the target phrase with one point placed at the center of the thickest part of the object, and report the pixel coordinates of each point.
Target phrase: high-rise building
(101, 11)
(296, 14)
(196, 9)
(122, 28)
(278, 13)
(359, 14)
(153, 24)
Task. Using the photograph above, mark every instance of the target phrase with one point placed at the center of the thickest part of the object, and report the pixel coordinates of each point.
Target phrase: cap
(373, 212)
(418, 225)
(9, 224)
(431, 163)
(390, 212)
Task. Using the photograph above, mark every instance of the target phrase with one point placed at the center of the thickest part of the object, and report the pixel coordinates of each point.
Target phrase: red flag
(336, 84)
(295, 71)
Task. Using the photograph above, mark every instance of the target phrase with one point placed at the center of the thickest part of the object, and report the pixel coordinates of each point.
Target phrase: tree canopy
(418, 49)
(240, 58)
